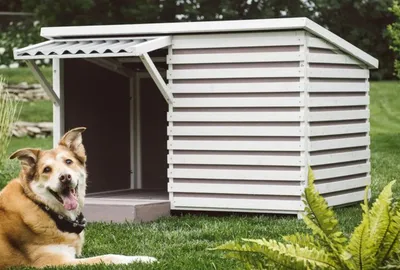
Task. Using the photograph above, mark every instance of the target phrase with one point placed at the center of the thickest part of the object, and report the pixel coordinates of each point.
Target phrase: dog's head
(56, 177)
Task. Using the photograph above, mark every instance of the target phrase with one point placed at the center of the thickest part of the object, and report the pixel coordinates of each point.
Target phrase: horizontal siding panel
(234, 116)
(338, 86)
(236, 40)
(210, 102)
(339, 143)
(336, 186)
(338, 115)
(215, 159)
(338, 129)
(232, 188)
(341, 171)
(237, 203)
(213, 58)
(250, 87)
(225, 73)
(338, 157)
(235, 174)
(235, 145)
(338, 101)
(324, 58)
(338, 73)
(314, 42)
(237, 131)
(356, 196)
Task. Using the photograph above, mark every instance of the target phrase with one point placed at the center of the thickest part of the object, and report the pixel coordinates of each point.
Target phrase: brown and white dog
(41, 223)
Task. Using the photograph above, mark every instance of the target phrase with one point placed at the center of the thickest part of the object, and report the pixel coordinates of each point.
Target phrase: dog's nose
(65, 178)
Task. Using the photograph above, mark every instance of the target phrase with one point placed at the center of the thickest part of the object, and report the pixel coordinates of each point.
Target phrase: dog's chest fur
(27, 232)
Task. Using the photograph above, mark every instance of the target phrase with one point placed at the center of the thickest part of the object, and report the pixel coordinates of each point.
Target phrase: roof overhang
(210, 27)
(92, 47)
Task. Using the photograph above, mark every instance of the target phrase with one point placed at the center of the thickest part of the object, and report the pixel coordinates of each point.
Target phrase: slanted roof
(210, 27)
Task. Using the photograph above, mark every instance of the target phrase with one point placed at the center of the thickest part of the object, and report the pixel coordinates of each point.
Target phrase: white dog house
(211, 116)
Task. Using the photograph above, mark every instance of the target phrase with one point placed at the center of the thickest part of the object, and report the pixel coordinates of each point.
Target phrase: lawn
(23, 74)
(181, 242)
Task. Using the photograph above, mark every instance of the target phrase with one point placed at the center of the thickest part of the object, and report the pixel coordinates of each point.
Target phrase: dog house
(211, 116)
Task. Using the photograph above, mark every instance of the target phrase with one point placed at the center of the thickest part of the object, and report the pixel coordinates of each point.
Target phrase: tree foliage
(394, 33)
(374, 244)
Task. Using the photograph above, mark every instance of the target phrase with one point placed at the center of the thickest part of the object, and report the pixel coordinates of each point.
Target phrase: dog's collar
(63, 223)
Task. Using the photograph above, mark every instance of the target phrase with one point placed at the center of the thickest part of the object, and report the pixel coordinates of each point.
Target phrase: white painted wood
(337, 86)
(237, 203)
(58, 109)
(236, 174)
(232, 102)
(231, 40)
(225, 73)
(338, 73)
(339, 157)
(324, 58)
(346, 198)
(339, 143)
(338, 115)
(338, 101)
(157, 78)
(251, 57)
(341, 171)
(151, 45)
(234, 116)
(252, 131)
(248, 87)
(336, 186)
(43, 82)
(338, 129)
(216, 159)
(232, 188)
(235, 145)
(314, 42)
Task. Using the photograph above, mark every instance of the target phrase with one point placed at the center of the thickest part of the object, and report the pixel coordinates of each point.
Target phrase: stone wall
(26, 92)
(33, 130)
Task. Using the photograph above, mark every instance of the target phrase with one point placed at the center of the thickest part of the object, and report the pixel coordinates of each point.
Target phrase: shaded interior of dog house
(101, 100)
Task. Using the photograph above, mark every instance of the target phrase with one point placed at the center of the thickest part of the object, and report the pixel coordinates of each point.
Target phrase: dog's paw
(121, 259)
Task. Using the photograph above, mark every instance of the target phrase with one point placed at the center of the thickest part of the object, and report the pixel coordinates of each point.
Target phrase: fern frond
(321, 219)
(303, 240)
(391, 242)
(361, 248)
(301, 257)
(379, 216)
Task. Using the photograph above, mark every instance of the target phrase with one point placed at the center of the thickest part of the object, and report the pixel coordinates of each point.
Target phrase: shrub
(394, 34)
(374, 244)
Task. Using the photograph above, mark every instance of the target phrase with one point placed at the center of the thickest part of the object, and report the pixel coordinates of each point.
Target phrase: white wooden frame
(58, 109)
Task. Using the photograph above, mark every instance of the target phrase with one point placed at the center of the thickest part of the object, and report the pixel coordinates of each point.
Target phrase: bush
(394, 34)
(374, 243)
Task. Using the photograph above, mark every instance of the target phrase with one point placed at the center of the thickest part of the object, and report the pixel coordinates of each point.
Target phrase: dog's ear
(73, 141)
(28, 158)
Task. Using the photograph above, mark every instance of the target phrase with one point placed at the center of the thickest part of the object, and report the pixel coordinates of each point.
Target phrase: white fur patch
(66, 251)
(121, 259)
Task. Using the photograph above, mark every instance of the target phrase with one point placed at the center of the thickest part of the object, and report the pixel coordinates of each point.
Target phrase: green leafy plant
(9, 112)
(394, 34)
(374, 244)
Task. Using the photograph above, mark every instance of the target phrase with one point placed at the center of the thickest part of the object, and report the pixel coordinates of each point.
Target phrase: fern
(374, 244)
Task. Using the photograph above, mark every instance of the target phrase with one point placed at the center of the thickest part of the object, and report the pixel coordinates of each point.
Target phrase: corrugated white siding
(235, 124)
(339, 122)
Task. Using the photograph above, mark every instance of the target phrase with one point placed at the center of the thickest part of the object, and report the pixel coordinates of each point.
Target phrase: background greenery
(361, 22)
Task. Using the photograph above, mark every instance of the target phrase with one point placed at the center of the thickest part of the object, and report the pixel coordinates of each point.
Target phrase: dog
(41, 220)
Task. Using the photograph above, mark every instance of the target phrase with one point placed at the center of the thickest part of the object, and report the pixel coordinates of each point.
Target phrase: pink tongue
(70, 201)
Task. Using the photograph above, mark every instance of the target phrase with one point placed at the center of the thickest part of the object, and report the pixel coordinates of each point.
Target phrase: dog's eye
(68, 161)
(47, 170)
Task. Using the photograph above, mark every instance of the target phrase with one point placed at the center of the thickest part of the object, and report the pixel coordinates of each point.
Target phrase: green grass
(181, 242)
(37, 111)
(23, 74)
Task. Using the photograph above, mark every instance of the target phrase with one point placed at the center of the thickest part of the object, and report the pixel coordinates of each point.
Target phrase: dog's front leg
(58, 260)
